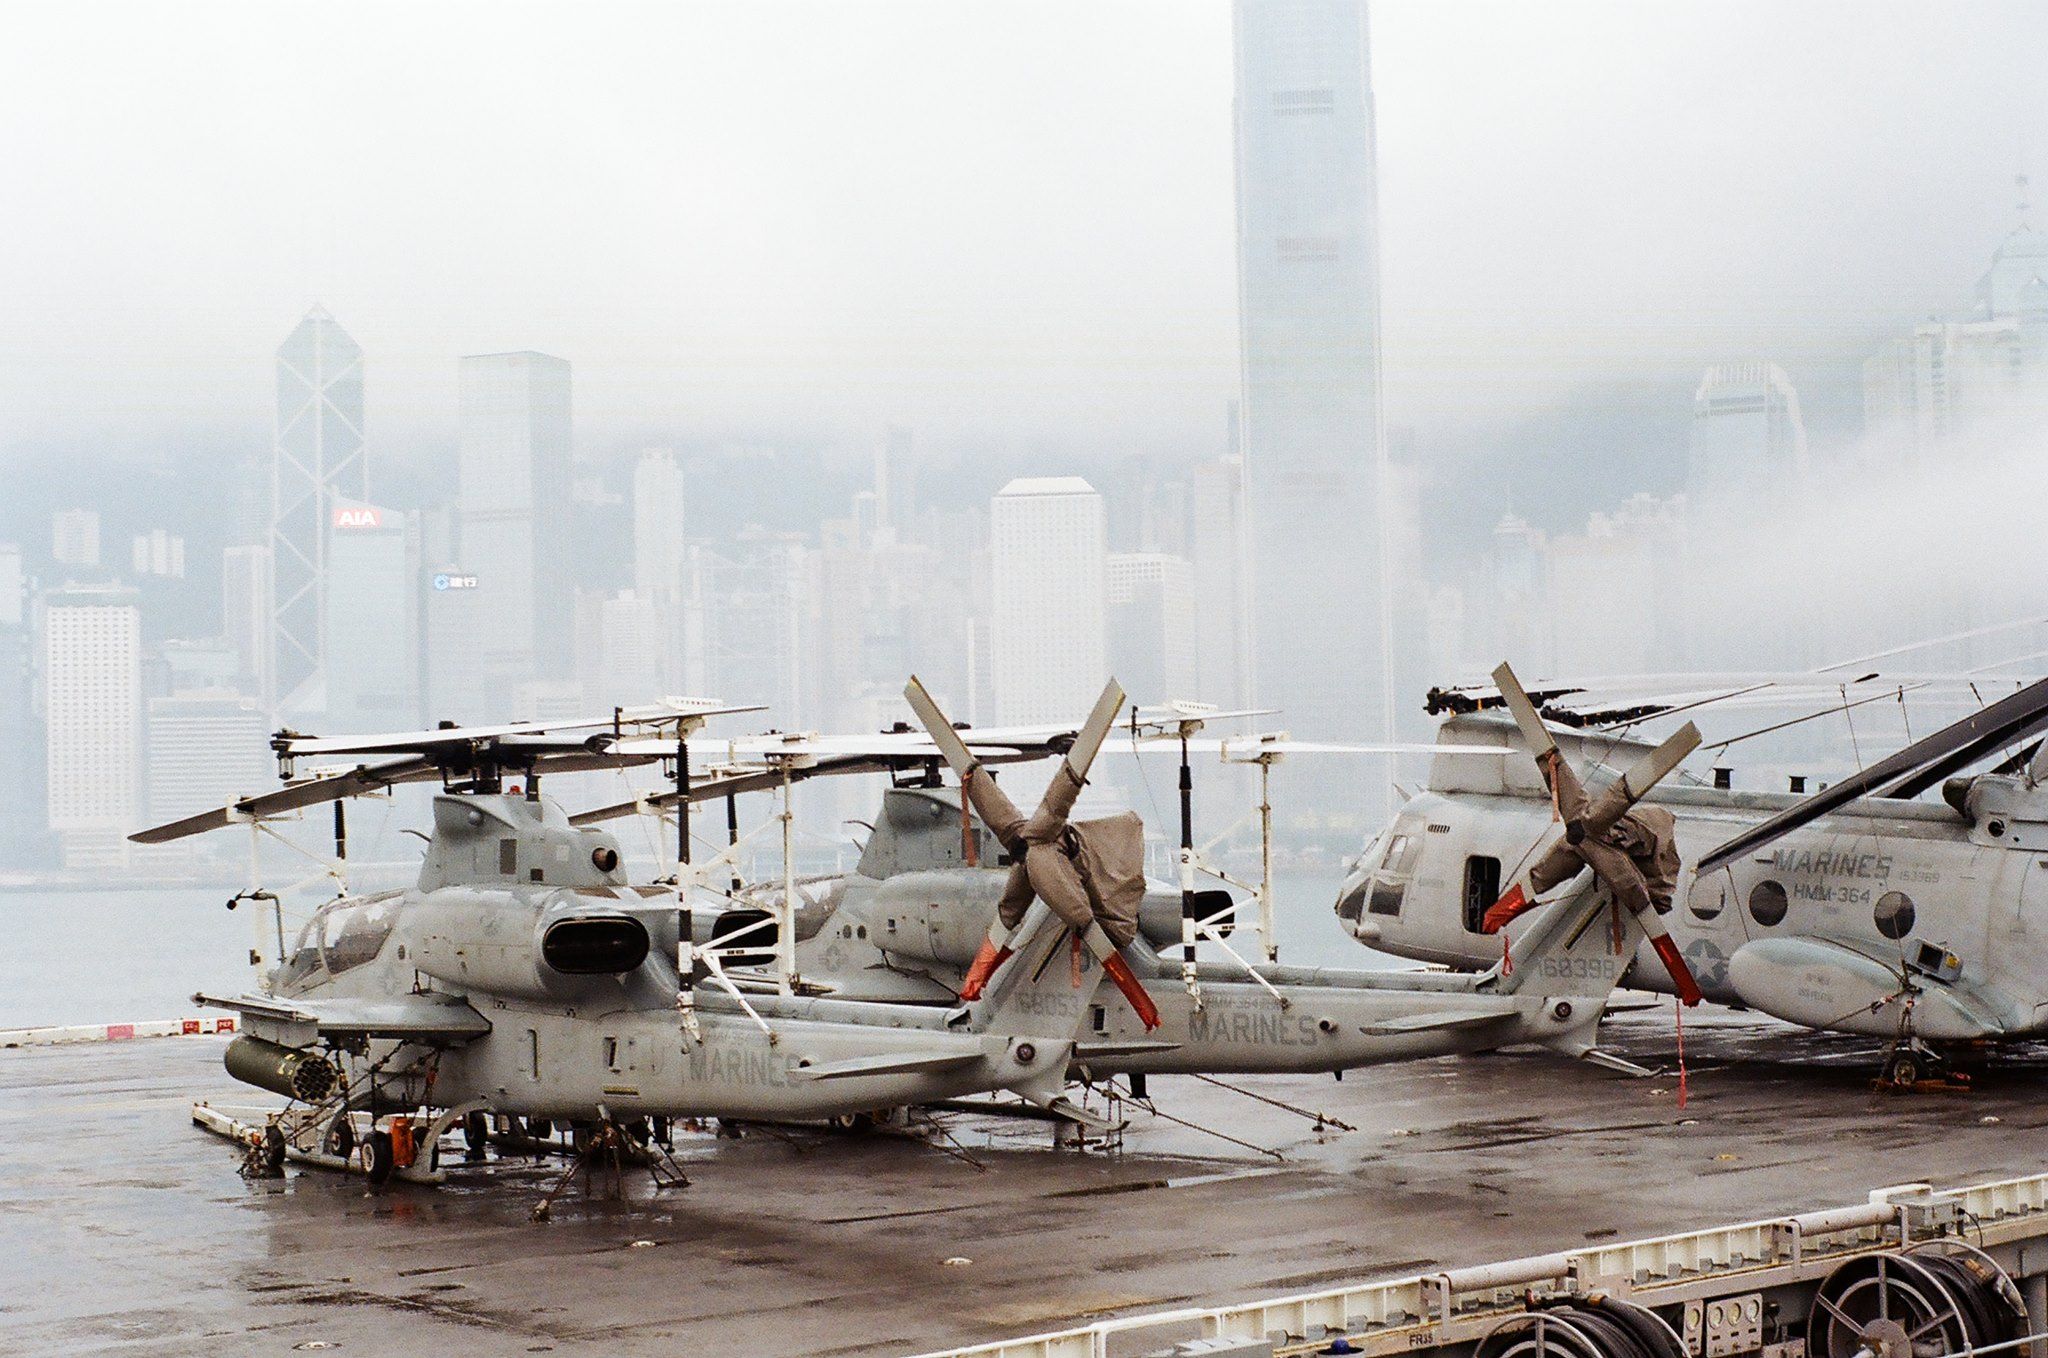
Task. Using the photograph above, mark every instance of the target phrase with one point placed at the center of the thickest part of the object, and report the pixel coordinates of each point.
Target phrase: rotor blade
(1987, 744)
(2006, 721)
(935, 724)
(1096, 729)
(396, 742)
(1248, 749)
(312, 792)
(1524, 712)
(1653, 767)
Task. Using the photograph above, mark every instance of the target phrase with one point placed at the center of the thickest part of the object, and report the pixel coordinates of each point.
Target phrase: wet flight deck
(128, 1231)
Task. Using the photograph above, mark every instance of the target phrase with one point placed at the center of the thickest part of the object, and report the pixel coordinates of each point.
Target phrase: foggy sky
(1003, 222)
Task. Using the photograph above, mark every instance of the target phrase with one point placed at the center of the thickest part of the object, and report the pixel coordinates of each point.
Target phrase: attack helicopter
(1860, 908)
(524, 977)
(929, 910)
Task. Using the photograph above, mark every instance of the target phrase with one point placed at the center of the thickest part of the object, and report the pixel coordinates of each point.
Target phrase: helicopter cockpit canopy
(342, 935)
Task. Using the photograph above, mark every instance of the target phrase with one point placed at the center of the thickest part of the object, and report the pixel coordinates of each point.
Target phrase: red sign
(117, 1032)
(357, 516)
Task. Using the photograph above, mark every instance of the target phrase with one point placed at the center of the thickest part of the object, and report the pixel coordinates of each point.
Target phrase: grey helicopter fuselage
(1884, 917)
(906, 924)
(529, 923)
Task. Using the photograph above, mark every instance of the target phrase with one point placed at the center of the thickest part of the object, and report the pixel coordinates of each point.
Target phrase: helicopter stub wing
(891, 1063)
(1441, 1020)
(1106, 1050)
(420, 1017)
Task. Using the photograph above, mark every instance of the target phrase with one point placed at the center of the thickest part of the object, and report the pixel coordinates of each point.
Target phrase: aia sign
(358, 516)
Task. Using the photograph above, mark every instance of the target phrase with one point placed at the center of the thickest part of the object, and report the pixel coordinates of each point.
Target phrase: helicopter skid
(222, 1123)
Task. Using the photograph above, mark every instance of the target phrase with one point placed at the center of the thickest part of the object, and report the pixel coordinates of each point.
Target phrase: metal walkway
(1724, 1292)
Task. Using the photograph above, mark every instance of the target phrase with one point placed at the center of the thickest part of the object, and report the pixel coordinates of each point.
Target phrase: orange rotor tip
(1681, 975)
(1512, 903)
(1127, 981)
(984, 966)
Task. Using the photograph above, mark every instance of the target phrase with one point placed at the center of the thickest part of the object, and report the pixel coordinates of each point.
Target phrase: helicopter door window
(1386, 898)
(1395, 859)
(508, 857)
(1707, 900)
(1893, 914)
(533, 1052)
(1767, 903)
(1482, 888)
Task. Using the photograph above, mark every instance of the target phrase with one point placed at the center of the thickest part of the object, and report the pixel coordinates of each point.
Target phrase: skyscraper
(318, 458)
(748, 622)
(1747, 437)
(75, 537)
(248, 617)
(1308, 303)
(1047, 547)
(373, 568)
(1216, 542)
(658, 553)
(206, 748)
(159, 552)
(657, 525)
(1746, 460)
(92, 674)
(13, 582)
(517, 518)
(1953, 372)
(22, 831)
(1152, 631)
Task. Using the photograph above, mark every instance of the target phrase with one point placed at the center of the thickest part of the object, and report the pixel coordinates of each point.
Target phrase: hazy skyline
(1007, 223)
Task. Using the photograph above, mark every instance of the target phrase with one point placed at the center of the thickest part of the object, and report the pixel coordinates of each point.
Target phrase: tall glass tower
(1309, 313)
(518, 479)
(318, 461)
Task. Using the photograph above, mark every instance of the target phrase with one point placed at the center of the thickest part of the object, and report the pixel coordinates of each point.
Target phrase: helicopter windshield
(343, 934)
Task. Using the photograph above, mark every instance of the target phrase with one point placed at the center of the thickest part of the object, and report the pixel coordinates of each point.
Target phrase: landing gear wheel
(379, 1161)
(273, 1152)
(1899, 1305)
(1903, 1069)
(476, 1135)
(341, 1137)
(853, 1124)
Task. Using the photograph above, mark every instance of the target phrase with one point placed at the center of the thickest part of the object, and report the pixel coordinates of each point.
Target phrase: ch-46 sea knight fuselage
(906, 926)
(1874, 914)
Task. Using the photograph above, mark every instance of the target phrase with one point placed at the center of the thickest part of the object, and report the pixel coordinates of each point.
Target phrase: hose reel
(1588, 1327)
(1939, 1297)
